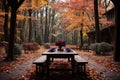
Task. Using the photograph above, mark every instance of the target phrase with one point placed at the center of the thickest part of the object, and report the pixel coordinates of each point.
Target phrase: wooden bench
(80, 63)
(40, 64)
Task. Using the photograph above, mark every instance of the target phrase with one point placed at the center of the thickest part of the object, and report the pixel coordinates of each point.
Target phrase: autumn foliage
(30, 46)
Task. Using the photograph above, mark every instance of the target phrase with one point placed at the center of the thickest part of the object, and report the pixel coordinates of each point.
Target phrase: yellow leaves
(34, 4)
(76, 19)
(71, 26)
(20, 17)
(38, 3)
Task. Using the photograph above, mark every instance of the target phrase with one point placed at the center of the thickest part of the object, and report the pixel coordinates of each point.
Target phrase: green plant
(17, 49)
(47, 45)
(39, 40)
(105, 47)
(85, 39)
(95, 47)
(85, 46)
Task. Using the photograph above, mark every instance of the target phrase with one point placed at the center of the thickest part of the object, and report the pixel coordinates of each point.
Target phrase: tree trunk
(81, 37)
(52, 24)
(6, 7)
(117, 36)
(14, 6)
(41, 25)
(23, 27)
(10, 56)
(97, 29)
(30, 26)
(117, 30)
(46, 35)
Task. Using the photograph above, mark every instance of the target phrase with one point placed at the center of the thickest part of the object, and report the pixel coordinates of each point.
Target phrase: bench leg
(84, 69)
(81, 68)
(39, 69)
(52, 59)
(69, 59)
(42, 67)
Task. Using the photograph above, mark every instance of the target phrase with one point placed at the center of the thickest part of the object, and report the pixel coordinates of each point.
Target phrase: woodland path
(20, 70)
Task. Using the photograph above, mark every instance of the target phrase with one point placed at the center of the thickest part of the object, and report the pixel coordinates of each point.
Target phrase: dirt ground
(104, 60)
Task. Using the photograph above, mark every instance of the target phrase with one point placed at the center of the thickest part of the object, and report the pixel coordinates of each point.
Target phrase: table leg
(72, 64)
(47, 65)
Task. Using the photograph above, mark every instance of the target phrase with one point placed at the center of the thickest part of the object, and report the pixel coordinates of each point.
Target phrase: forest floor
(100, 67)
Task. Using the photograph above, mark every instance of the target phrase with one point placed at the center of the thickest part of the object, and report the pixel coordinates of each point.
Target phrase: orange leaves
(2, 13)
(38, 3)
(20, 17)
(101, 10)
(1, 33)
(64, 21)
(71, 26)
(79, 4)
(105, 21)
(72, 4)
(75, 18)
(34, 4)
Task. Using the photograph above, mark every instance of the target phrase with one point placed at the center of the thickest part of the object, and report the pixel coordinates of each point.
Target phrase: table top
(60, 53)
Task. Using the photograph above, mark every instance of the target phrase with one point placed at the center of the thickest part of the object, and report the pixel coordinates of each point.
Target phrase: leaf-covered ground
(104, 60)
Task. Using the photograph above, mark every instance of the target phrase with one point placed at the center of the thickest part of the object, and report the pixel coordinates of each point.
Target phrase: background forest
(45, 21)
(30, 27)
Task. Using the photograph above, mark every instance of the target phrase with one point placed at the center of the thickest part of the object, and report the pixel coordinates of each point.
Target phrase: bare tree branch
(15, 4)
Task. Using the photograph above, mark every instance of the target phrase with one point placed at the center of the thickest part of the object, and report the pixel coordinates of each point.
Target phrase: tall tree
(97, 29)
(117, 30)
(52, 25)
(46, 39)
(30, 21)
(14, 4)
(41, 24)
(81, 35)
(6, 8)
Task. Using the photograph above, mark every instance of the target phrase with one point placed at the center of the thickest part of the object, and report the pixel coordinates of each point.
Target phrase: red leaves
(24, 58)
(105, 60)
(30, 46)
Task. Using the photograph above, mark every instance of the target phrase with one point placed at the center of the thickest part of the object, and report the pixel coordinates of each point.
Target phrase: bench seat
(81, 63)
(40, 63)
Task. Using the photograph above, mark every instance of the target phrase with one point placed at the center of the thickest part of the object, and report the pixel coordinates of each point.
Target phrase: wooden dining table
(60, 55)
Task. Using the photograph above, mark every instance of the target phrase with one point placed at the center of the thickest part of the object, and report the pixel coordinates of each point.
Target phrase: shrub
(85, 47)
(91, 46)
(30, 46)
(39, 40)
(101, 47)
(17, 50)
(47, 45)
(95, 47)
(104, 47)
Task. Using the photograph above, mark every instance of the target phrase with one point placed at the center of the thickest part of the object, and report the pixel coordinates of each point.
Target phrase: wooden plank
(41, 59)
(79, 59)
